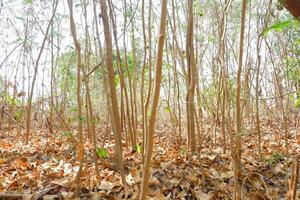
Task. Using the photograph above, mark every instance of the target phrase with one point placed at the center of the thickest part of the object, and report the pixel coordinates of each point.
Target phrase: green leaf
(297, 103)
(279, 26)
(117, 80)
(82, 118)
(167, 109)
(297, 42)
(73, 109)
(183, 152)
(67, 134)
(94, 121)
(102, 153)
(275, 158)
(138, 148)
(28, 1)
(18, 115)
(129, 13)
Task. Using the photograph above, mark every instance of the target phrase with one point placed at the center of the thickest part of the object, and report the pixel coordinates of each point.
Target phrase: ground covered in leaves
(47, 166)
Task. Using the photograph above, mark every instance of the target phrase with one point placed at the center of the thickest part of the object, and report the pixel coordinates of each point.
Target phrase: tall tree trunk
(237, 159)
(158, 78)
(115, 117)
(51, 82)
(122, 79)
(90, 114)
(191, 79)
(78, 93)
(30, 95)
(149, 91)
(222, 49)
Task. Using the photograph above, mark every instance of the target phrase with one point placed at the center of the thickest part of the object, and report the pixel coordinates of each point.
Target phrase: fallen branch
(9, 115)
(5, 196)
(15, 196)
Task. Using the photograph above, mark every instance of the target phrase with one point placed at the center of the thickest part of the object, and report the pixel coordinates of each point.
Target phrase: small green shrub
(275, 158)
(102, 153)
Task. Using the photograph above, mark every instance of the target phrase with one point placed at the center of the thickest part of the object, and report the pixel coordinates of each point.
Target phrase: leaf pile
(48, 166)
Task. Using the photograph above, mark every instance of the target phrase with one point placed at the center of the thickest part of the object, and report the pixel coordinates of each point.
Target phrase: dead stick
(9, 116)
(9, 196)
(293, 181)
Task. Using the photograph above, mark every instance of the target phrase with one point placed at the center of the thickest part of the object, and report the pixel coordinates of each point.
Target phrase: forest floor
(47, 166)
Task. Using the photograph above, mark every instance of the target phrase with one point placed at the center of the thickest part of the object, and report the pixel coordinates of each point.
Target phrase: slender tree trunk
(30, 95)
(134, 82)
(51, 83)
(143, 75)
(158, 78)
(237, 159)
(191, 81)
(122, 82)
(257, 79)
(147, 101)
(78, 93)
(92, 119)
(224, 73)
(115, 117)
(176, 78)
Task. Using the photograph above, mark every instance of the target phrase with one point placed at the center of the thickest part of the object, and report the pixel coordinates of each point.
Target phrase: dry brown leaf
(105, 185)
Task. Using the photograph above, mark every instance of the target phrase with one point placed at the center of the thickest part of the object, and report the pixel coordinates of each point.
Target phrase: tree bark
(78, 94)
(158, 78)
(29, 102)
(237, 157)
(293, 6)
(115, 117)
(191, 79)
